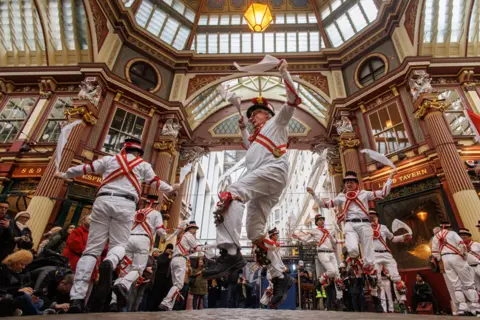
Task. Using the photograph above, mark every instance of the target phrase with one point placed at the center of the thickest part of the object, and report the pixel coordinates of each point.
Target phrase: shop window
(371, 70)
(13, 117)
(143, 75)
(388, 130)
(124, 125)
(455, 115)
(55, 120)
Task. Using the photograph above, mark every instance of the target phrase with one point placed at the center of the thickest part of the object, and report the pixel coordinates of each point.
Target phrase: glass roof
(270, 87)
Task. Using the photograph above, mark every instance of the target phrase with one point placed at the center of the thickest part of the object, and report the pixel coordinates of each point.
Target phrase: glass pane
(357, 17)
(291, 42)
(143, 13)
(156, 23)
(213, 21)
(257, 42)
(291, 18)
(236, 20)
(269, 42)
(302, 41)
(181, 38)
(203, 20)
(235, 43)
(334, 35)
(381, 143)
(442, 20)
(391, 139)
(224, 43)
(201, 43)
(301, 18)
(325, 11)
(280, 42)
(385, 121)
(280, 18)
(314, 41)
(190, 15)
(312, 18)
(335, 4)
(224, 19)
(246, 42)
(118, 119)
(169, 30)
(457, 20)
(370, 9)
(212, 43)
(394, 115)
(375, 123)
(401, 137)
(428, 22)
(179, 6)
(345, 27)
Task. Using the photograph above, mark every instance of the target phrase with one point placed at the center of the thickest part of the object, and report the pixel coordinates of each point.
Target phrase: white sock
(281, 276)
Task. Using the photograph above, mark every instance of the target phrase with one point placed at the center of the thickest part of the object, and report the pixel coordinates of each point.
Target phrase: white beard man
(448, 246)
(112, 215)
(260, 188)
(355, 213)
(384, 258)
(326, 248)
(148, 223)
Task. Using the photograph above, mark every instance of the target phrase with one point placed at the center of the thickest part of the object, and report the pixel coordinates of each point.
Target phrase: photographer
(22, 234)
(7, 243)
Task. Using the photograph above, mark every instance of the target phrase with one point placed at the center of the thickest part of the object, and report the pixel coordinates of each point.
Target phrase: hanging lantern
(422, 215)
(258, 17)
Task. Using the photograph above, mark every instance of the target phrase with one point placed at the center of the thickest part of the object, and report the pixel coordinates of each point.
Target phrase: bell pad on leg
(226, 199)
(261, 253)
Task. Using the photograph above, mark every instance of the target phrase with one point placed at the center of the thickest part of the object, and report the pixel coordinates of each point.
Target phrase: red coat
(76, 243)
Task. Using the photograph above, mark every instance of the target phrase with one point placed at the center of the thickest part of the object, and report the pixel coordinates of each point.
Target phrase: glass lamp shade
(258, 17)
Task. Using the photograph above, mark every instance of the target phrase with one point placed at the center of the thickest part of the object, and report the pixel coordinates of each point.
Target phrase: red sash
(442, 238)
(183, 251)
(324, 236)
(473, 253)
(352, 197)
(377, 235)
(271, 242)
(277, 151)
(126, 169)
(141, 219)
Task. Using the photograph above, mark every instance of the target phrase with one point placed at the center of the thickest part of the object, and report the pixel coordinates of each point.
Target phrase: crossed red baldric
(469, 248)
(352, 197)
(377, 235)
(325, 235)
(442, 238)
(141, 220)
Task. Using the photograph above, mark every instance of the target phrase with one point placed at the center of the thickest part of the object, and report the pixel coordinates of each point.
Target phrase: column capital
(82, 109)
(335, 168)
(427, 103)
(348, 140)
(469, 86)
(47, 86)
(166, 144)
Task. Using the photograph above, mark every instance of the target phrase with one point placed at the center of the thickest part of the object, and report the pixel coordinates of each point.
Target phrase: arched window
(371, 70)
(143, 75)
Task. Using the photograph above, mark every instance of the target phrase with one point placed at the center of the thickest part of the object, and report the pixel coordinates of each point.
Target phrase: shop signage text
(406, 177)
(28, 172)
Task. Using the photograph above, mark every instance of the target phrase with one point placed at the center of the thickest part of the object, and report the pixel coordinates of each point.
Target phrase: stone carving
(192, 154)
(171, 128)
(420, 82)
(344, 125)
(90, 90)
(101, 26)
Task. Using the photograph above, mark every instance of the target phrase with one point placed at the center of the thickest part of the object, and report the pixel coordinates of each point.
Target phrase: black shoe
(280, 290)
(340, 306)
(122, 295)
(403, 308)
(225, 265)
(76, 306)
(161, 307)
(113, 308)
(105, 271)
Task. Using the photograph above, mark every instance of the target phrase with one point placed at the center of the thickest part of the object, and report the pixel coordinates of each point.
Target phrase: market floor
(239, 314)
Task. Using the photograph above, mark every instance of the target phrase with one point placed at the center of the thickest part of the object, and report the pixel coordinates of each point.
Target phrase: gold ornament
(168, 146)
(81, 112)
(430, 105)
(349, 143)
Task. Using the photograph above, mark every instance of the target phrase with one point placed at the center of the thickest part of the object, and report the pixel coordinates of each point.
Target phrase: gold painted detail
(168, 146)
(429, 105)
(335, 168)
(349, 143)
(81, 112)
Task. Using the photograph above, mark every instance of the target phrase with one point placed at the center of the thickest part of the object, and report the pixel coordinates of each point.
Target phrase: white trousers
(385, 259)
(360, 233)
(386, 295)
(260, 189)
(476, 275)
(112, 219)
(178, 267)
(276, 267)
(460, 275)
(329, 262)
(137, 250)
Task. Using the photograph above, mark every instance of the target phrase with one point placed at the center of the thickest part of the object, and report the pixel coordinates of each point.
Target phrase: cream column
(466, 199)
(41, 205)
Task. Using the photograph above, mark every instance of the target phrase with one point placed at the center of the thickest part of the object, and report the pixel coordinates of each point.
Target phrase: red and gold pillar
(166, 150)
(430, 109)
(349, 144)
(42, 204)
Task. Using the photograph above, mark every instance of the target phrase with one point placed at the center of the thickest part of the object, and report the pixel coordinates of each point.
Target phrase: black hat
(260, 103)
(133, 144)
(169, 246)
(319, 217)
(190, 225)
(350, 175)
(372, 212)
(445, 224)
(464, 231)
(273, 231)
(153, 197)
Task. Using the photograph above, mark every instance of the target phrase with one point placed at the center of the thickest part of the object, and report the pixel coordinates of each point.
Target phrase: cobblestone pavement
(239, 314)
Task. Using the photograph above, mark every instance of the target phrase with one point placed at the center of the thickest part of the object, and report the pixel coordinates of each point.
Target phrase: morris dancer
(326, 247)
(274, 264)
(186, 245)
(473, 256)
(355, 214)
(112, 214)
(384, 259)
(261, 187)
(148, 222)
(448, 246)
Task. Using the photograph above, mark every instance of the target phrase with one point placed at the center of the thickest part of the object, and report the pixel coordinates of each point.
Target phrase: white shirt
(386, 235)
(354, 211)
(121, 185)
(316, 235)
(451, 238)
(155, 223)
(471, 259)
(275, 129)
(188, 243)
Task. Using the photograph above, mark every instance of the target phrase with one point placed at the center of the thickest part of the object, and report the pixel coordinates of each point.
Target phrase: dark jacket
(57, 242)
(7, 243)
(422, 291)
(200, 284)
(11, 281)
(49, 287)
(26, 232)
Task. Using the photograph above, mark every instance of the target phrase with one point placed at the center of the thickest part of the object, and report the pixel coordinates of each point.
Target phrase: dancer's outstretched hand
(310, 190)
(394, 172)
(59, 175)
(294, 236)
(283, 66)
(241, 124)
(176, 187)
